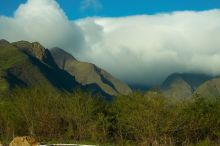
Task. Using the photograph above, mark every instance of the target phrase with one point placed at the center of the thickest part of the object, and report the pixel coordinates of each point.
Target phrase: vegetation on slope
(9, 57)
(210, 88)
(136, 119)
(24, 64)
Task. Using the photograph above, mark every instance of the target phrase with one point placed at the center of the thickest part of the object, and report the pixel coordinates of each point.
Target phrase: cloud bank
(140, 49)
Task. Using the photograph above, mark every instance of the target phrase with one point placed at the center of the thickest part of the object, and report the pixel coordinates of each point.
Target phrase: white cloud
(43, 21)
(138, 49)
(90, 4)
(145, 49)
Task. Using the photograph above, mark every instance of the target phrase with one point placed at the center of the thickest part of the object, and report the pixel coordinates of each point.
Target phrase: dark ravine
(32, 65)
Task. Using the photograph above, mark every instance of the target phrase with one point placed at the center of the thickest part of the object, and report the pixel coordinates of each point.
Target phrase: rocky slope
(89, 74)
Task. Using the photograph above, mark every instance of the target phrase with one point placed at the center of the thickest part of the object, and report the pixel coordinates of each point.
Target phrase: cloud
(141, 49)
(43, 21)
(145, 49)
(90, 4)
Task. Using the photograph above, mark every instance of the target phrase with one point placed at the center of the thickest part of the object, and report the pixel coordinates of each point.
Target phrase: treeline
(137, 119)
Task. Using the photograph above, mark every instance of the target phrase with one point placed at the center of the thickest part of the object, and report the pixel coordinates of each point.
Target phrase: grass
(9, 56)
(3, 85)
(21, 66)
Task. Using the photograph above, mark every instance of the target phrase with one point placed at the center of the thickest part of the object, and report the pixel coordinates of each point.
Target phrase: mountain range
(25, 64)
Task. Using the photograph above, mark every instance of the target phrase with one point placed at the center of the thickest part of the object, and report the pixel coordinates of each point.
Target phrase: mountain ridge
(88, 73)
(183, 85)
(34, 65)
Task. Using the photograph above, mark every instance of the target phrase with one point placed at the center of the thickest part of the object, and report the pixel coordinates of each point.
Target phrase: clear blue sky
(116, 8)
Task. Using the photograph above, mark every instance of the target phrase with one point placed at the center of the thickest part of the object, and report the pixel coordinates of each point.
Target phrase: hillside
(25, 64)
(88, 74)
(209, 89)
(182, 85)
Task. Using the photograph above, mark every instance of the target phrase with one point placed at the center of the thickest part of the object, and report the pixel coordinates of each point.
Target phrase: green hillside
(20, 68)
(209, 89)
(10, 56)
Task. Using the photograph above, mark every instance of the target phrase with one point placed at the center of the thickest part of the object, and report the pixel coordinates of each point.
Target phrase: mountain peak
(34, 49)
(63, 53)
(183, 85)
(3, 41)
(62, 58)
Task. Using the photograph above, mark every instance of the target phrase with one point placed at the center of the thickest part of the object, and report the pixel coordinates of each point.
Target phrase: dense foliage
(137, 119)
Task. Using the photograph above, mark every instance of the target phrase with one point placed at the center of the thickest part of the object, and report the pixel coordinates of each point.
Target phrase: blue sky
(116, 8)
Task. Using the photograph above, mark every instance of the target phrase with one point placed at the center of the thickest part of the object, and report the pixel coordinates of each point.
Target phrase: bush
(136, 119)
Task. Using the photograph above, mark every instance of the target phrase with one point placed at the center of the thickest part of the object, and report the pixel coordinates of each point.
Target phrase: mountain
(24, 64)
(210, 88)
(36, 50)
(182, 85)
(89, 74)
